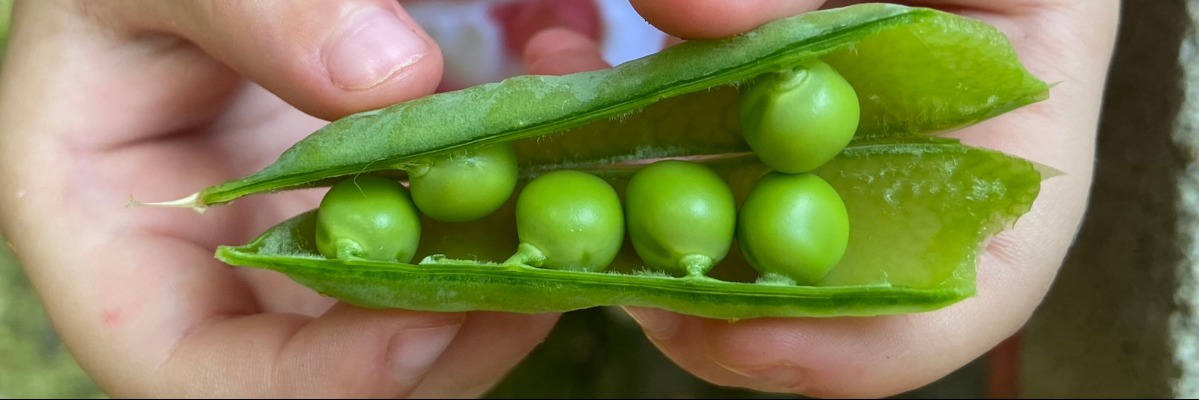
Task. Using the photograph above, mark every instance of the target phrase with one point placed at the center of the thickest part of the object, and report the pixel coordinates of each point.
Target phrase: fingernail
(413, 351)
(785, 376)
(374, 46)
(657, 324)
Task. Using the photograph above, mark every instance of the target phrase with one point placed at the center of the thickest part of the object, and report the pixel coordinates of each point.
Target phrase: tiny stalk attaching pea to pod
(681, 216)
(814, 182)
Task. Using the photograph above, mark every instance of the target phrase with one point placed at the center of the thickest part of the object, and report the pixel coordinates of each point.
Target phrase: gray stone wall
(1184, 326)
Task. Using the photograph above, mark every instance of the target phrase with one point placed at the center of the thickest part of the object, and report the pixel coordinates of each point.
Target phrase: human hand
(192, 327)
(1067, 42)
(99, 100)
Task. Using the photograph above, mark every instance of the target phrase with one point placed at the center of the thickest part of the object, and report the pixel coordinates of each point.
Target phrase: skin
(100, 99)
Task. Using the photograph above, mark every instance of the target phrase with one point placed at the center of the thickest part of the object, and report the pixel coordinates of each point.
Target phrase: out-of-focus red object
(1003, 369)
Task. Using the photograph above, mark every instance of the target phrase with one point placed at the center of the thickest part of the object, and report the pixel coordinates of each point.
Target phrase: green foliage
(5, 16)
(34, 363)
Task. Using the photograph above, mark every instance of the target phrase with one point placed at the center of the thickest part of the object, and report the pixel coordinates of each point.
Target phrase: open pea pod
(919, 207)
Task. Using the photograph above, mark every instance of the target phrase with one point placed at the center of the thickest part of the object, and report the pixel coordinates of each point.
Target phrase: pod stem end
(696, 265)
(528, 255)
(192, 201)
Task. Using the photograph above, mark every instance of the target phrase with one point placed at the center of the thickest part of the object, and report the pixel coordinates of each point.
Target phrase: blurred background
(1117, 322)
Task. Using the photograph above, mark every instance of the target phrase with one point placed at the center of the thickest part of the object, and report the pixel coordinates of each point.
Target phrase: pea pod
(941, 199)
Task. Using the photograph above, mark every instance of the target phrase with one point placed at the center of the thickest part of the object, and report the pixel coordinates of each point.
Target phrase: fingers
(706, 19)
(326, 58)
(504, 338)
(558, 51)
(348, 351)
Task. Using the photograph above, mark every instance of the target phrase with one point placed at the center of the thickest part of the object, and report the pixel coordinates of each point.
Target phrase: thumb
(326, 58)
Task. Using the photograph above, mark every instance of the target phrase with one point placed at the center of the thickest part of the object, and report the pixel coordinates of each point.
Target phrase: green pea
(368, 217)
(573, 218)
(467, 185)
(681, 216)
(798, 119)
(795, 225)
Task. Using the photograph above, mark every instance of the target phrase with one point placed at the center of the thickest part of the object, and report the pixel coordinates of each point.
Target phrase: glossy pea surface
(573, 218)
(681, 216)
(467, 185)
(795, 225)
(796, 120)
(368, 217)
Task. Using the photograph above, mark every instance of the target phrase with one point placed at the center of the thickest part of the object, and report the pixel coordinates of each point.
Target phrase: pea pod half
(915, 71)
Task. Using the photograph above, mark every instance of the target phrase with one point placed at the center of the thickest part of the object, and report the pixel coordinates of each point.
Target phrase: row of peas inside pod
(680, 216)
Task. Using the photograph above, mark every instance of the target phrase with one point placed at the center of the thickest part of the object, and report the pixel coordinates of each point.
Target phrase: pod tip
(192, 201)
